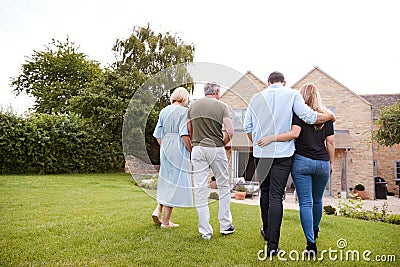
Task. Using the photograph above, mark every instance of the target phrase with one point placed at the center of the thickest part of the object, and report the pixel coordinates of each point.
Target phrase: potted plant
(359, 191)
(240, 192)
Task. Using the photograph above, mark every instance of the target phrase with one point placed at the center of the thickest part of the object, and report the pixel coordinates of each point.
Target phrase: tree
(143, 54)
(388, 122)
(146, 52)
(55, 75)
(65, 81)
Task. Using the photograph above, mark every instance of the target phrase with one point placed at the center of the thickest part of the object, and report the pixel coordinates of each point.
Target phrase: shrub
(394, 219)
(359, 187)
(240, 188)
(350, 207)
(329, 210)
(49, 144)
(354, 209)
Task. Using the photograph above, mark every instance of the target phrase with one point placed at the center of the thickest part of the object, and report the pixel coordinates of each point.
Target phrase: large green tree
(54, 75)
(388, 122)
(143, 54)
(64, 81)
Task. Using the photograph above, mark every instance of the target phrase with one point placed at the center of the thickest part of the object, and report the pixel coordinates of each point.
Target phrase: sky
(354, 41)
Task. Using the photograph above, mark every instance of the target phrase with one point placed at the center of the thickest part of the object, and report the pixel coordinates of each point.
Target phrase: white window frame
(333, 109)
(238, 112)
(397, 169)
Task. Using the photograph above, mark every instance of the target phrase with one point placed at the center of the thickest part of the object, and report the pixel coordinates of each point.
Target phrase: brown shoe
(156, 216)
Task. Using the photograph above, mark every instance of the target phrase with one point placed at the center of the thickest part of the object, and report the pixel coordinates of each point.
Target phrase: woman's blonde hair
(312, 97)
(180, 95)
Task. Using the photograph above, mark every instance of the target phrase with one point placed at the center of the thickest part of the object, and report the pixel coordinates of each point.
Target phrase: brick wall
(239, 95)
(386, 157)
(353, 113)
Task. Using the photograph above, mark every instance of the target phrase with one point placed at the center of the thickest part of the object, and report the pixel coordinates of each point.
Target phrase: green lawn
(104, 220)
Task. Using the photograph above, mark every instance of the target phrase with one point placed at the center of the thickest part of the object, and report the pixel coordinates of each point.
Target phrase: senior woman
(174, 188)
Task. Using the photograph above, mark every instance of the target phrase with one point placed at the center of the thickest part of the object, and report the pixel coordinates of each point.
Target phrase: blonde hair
(180, 95)
(312, 97)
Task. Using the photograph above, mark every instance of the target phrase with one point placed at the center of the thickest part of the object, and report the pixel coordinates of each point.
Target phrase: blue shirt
(270, 112)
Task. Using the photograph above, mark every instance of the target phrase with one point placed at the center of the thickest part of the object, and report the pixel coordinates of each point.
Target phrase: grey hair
(211, 88)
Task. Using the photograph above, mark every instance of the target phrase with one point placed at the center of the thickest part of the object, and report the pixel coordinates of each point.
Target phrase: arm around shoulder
(323, 117)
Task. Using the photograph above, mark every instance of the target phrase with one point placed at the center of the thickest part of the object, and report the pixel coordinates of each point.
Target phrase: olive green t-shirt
(206, 115)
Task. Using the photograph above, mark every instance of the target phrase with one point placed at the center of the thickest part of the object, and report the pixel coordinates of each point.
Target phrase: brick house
(354, 154)
(386, 159)
(239, 149)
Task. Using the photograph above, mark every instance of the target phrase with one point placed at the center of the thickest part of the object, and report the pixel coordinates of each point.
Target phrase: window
(238, 118)
(397, 169)
(333, 109)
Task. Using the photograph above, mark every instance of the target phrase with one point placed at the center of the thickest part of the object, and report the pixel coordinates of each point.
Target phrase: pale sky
(355, 41)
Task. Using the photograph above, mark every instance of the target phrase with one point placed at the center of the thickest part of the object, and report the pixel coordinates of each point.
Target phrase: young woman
(174, 188)
(313, 163)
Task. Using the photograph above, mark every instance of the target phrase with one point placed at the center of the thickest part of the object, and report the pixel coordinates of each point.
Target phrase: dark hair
(276, 77)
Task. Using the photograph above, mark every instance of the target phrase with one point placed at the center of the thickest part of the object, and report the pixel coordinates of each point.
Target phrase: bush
(394, 219)
(49, 144)
(329, 210)
(354, 209)
(240, 188)
(359, 187)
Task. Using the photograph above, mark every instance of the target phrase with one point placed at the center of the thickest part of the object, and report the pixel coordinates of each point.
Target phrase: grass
(104, 220)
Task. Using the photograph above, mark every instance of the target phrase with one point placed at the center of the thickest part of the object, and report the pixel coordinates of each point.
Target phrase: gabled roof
(333, 79)
(239, 94)
(380, 101)
(249, 75)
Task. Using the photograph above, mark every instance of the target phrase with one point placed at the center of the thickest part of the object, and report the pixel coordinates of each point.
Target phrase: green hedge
(45, 143)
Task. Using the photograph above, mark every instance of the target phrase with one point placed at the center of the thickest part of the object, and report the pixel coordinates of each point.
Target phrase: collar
(275, 86)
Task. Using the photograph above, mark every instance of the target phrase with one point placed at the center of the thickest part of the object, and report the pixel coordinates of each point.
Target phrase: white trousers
(204, 158)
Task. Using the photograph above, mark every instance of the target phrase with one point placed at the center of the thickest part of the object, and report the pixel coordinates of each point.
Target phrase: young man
(206, 117)
(270, 112)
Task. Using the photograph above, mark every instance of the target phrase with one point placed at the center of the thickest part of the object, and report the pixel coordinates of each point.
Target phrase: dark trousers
(272, 174)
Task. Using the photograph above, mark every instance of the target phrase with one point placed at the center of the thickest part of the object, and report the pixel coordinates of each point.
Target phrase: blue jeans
(310, 178)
